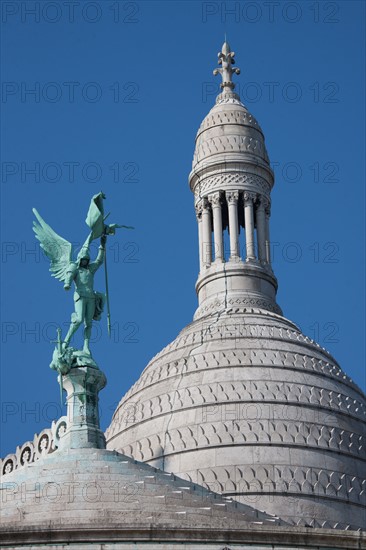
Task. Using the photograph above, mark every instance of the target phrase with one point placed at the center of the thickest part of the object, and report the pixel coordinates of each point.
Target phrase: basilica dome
(241, 402)
(250, 407)
(242, 431)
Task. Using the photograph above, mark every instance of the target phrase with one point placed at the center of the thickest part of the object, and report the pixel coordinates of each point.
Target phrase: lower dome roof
(95, 486)
(96, 498)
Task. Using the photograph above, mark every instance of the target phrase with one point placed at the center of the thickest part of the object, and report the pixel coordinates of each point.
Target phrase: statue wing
(57, 249)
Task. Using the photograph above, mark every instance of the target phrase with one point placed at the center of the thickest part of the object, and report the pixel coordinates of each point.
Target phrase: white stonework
(240, 434)
(244, 404)
(43, 444)
(101, 489)
(241, 401)
(98, 499)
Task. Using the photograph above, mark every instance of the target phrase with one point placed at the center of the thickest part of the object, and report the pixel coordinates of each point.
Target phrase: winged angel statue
(88, 303)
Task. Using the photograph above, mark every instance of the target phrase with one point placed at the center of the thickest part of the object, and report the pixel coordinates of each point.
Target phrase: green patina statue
(88, 303)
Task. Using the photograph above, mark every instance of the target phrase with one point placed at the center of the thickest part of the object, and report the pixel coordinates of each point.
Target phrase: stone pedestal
(82, 385)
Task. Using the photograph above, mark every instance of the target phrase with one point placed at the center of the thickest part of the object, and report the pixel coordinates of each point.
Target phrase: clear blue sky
(119, 95)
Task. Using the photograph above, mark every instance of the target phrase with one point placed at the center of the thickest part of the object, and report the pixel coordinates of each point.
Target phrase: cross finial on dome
(226, 59)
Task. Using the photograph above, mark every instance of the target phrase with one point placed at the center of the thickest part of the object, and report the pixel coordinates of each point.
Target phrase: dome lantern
(231, 180)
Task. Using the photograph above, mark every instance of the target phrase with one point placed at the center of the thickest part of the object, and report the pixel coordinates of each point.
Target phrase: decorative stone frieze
(293, 480)
(280, 433)
(44, 443)
(238, 117)
(225, 144)
(224, 180)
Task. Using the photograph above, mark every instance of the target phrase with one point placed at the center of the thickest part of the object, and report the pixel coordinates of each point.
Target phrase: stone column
(232, 199)
(249, 225)
(268, 241)
(206, 233)
(261, 230)
(82, 385)
(199, 208)
(215, 201)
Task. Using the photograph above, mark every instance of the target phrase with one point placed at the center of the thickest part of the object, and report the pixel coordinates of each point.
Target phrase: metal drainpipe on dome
(231, 180)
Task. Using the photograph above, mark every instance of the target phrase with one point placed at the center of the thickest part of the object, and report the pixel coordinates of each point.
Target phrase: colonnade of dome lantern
(245, 216)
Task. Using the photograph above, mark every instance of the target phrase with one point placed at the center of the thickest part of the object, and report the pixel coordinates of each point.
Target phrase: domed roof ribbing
(241, 401)
(248, 406)
(229, 129)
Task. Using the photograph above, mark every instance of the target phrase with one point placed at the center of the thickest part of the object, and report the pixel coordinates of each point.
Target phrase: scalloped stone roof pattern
(229, 128)
(246, 405)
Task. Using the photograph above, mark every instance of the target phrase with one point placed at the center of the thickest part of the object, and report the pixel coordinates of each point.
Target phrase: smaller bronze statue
(88, 303)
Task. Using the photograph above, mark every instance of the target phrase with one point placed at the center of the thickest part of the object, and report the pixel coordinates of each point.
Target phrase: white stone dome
(241, 401)
(246, 405)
